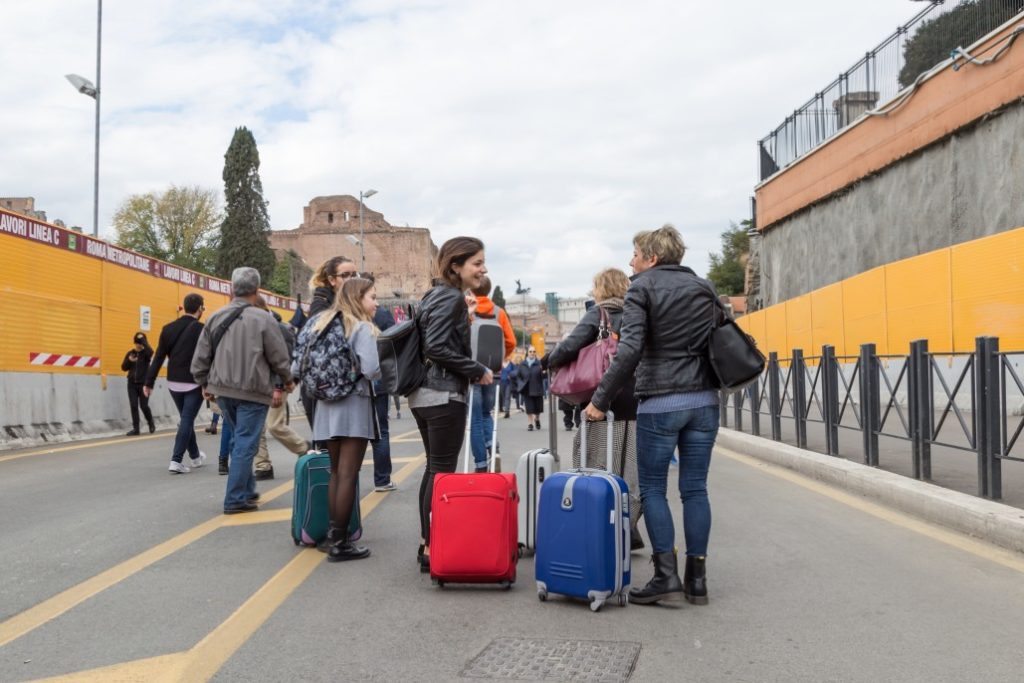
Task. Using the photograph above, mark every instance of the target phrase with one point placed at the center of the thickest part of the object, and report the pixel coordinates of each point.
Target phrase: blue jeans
(246, 419)
(226, 437)
(188, 404)
(481, 430)
(382, 446)
(657, 436)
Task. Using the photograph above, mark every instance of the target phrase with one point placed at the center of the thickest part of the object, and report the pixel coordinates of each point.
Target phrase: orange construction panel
(798, 325)
(775, 331)
(917, 302)
(864, 311)
(827, 318)
(988, 291)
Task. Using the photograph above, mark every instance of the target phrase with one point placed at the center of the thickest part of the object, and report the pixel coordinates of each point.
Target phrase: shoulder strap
(177, 338)
(218, 334)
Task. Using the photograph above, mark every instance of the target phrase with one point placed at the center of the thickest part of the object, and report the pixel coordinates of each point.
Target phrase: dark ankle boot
(664, 586)
(695, 586)
(333, 536)
(345, 550)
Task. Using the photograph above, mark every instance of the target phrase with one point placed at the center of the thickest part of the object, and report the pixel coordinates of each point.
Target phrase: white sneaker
(178, 468)
(384, 488)
(198, 462)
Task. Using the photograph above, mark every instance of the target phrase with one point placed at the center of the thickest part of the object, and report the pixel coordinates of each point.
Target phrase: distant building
(399, 258)
(26, 206)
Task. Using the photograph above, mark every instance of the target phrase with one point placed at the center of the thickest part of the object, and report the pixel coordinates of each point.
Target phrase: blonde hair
(349, 303)
(666, 243)
(610, 283)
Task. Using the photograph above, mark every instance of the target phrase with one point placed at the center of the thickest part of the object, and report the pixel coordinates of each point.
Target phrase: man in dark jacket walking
(177, 344)
(530, 376)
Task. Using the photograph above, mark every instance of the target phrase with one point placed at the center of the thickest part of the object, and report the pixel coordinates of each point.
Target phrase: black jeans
(442, 429)
(136, 400)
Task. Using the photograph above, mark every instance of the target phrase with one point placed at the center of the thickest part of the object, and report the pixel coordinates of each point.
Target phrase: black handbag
(733, 354)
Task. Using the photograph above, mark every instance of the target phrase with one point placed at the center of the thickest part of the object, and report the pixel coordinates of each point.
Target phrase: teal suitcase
(309, 503)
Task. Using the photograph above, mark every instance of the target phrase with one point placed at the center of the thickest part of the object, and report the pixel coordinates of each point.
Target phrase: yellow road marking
(162, 668)
(36, 616)
(213, 651)
(956, 540)
(90, 444)
(261, 517)
(197, 663)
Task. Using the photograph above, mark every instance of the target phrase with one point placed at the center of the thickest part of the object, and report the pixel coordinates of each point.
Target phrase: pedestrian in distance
(605, 319)
(324, 286)
(482, 416)
(506, 381)
(238, 359)
(277, 417)
(136, 364)
(177, 345)
(530, 375)
(439, 404)
(344, 337)
(667, 319)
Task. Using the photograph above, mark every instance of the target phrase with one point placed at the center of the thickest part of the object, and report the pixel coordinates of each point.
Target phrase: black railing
(908, 398)
(913, 49)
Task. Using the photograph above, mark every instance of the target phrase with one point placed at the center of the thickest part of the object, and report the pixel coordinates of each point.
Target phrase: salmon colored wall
(944, 103)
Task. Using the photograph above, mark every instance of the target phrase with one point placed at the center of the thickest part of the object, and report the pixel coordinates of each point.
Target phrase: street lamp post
(524, 291)
(362, 249)
(86, 87)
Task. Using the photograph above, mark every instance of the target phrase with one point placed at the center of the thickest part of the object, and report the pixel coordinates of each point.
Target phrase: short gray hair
(245, 281)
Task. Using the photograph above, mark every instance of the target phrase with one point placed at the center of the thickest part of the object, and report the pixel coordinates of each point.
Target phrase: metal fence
(909, 399)
(915, 48)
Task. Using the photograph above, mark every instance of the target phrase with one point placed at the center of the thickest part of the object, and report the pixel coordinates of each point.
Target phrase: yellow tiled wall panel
(775, 332)
(988, 290)
(798, 326)
(827, 319)
(917, 302)
(864, 311)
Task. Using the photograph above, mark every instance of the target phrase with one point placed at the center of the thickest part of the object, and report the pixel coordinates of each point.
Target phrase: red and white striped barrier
(63, 360)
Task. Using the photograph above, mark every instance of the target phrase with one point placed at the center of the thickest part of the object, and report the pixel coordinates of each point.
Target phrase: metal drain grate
(561, 660)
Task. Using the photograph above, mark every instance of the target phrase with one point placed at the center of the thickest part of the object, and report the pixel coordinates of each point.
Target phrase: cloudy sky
(553, 130)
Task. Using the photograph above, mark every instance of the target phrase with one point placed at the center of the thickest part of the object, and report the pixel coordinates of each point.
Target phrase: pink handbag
(577, 381)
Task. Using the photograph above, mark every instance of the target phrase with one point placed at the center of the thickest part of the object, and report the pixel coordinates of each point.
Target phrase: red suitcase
(474, 525)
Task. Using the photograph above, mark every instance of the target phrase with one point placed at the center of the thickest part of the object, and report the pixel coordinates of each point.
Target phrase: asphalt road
(115, 570)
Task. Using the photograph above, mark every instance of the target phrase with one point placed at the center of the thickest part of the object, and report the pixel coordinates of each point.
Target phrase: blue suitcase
(583, 534)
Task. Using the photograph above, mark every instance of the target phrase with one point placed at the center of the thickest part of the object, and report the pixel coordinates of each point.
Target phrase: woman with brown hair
(439, 405)
(609, 292)
(346, 425)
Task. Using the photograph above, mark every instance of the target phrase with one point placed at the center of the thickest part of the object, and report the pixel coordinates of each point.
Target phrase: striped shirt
(670, 403)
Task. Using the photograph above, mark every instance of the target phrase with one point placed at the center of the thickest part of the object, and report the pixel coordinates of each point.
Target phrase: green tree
(498, 297)
(178, 225)
(281, 281)
(728, 268)
(959, 27)
(244, 232)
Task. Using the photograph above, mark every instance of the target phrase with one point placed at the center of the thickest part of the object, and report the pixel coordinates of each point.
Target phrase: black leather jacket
(443, 321)
(585, 333)
(667, 319)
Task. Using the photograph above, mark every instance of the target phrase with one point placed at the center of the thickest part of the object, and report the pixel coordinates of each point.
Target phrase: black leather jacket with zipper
(443, 321)
(667, 319)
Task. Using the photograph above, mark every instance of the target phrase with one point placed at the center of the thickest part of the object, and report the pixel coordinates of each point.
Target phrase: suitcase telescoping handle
(610, 418)
(492, 461)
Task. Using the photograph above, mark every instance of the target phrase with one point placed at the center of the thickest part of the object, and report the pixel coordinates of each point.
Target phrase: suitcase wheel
(506, 585)
(596, 605)
(542, 596)
(623, 599)
(437, 582)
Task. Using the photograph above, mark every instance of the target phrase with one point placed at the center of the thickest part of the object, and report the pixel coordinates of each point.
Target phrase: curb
(988, 520)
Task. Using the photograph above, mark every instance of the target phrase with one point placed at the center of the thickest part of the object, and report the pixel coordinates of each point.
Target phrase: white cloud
(553, 131)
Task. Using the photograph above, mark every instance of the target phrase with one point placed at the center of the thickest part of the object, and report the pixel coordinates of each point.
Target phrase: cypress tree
(243, 234)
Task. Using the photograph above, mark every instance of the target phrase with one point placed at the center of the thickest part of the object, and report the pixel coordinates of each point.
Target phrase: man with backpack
(177, 344)
(239, 356)
(482, 416)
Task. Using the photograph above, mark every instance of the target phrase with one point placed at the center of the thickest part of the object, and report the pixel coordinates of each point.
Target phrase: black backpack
(401, 364)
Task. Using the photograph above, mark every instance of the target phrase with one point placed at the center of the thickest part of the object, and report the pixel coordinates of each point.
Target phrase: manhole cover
(562, 660)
